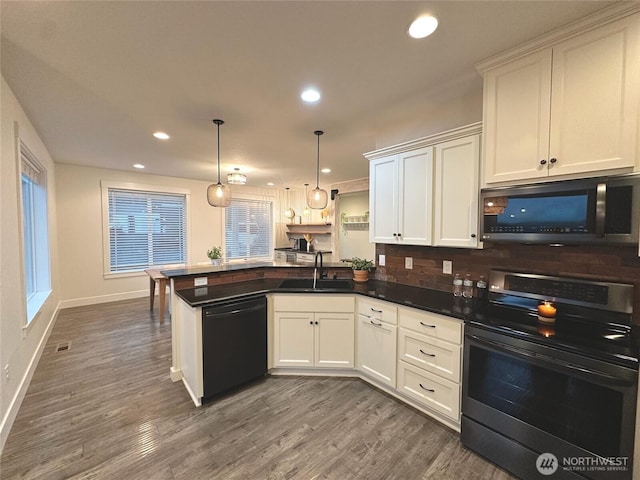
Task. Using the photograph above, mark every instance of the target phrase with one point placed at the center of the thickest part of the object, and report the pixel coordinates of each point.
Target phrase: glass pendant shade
(219, 195)
(289, 213)
(318, 198)
(306, 212)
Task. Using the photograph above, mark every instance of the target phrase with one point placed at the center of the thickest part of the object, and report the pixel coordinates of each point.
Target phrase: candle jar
(547, 312)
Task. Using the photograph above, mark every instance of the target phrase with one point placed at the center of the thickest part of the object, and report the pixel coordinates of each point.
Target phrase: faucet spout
(315, 268)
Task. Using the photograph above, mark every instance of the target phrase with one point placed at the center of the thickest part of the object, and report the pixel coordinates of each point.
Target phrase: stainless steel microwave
(603, 210)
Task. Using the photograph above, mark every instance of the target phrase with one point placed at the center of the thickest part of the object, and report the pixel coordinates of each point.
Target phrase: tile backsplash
(619, 264)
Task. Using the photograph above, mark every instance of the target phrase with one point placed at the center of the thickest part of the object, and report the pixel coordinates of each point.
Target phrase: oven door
(522, 400)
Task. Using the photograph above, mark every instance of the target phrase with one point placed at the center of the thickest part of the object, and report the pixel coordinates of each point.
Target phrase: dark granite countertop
(195, 270)
(421, 298)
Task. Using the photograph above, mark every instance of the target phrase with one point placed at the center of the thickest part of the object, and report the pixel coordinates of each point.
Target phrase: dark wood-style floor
(106, 409)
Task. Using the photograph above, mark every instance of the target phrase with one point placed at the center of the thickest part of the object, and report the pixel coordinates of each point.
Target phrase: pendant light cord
(218, 123)
(318, 133)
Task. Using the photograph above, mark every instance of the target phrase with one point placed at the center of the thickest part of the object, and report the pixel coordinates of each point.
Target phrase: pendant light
(306, 212)
(219, 195)
(318, 198)
(289, 213)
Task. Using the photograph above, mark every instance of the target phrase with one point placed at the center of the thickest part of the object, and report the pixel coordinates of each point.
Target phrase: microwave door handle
(601, 208)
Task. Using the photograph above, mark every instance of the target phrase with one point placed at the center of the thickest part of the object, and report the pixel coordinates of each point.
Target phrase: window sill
(34, 306)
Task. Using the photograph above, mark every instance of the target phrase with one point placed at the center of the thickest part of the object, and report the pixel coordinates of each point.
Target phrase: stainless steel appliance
(586, 211)
(541, 396)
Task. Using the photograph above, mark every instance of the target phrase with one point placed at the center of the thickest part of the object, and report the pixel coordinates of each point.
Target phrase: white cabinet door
(594, 100)
(334, 340)
(293, 341)
(566, 110)
(400, 198)
(457, 164)
(517, 107)
(377, 350)
(415, 191)
(383, 200)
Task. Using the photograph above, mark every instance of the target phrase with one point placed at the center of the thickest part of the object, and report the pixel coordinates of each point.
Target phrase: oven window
(580, 412)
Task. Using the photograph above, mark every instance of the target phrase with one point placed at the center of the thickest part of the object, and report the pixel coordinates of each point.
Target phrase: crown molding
(602, 17)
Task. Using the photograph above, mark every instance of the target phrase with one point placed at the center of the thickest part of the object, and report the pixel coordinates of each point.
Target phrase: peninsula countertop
(426, 299)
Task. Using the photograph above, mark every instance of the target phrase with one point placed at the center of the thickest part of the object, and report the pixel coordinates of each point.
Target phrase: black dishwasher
(234, 344)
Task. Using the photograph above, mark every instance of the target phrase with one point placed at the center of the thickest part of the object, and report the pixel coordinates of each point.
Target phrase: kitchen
(77, 231)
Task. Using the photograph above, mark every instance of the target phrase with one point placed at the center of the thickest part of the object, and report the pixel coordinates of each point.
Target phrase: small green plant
(358, 263)
(215, 252)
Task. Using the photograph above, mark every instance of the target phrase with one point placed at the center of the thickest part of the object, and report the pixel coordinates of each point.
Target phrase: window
(35, 231)
(145, 228)
(248, 229)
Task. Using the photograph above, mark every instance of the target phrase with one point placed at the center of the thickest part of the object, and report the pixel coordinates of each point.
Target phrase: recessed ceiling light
(161, 135)
(138, 165)
(423, 26)
(271, 184)
(326, 170)
(310, 95)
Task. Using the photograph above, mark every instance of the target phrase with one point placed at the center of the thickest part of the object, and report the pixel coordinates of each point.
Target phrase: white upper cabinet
(457, 165)
(567, 109)
(425, 192)
(400, 196)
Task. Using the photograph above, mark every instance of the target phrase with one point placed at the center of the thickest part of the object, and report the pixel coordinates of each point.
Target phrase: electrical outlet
(408, 263)
(6, 371)
(447, 267)
(200, 282)
(381, 260)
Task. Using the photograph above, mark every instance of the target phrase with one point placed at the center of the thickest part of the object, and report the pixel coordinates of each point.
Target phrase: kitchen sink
(323, 284)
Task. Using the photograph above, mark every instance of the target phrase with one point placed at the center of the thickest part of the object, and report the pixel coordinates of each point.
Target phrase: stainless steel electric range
(551, 376)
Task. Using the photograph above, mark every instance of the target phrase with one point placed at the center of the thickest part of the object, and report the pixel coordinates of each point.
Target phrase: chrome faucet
(315, 269)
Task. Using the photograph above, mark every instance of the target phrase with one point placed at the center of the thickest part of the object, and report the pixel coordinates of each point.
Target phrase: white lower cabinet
(430, 360)
(430, 390)
(377, 349)
(412, 354)
(377, 340)
(306, 336)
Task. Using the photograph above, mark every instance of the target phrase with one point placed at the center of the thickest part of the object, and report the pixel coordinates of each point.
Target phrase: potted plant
(215, 255)
(361, 268)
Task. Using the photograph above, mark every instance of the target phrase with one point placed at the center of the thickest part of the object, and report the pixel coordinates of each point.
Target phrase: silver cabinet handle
(374, 323)
(427, 354)
(427, 389)
(425, 325)
(376, 311)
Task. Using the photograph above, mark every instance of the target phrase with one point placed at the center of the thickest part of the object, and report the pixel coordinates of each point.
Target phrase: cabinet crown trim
(578, 27)
(465, 131)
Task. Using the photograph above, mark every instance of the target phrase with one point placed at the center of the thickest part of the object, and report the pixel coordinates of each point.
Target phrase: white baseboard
(12, 411)
(114, 297)
(175, 374)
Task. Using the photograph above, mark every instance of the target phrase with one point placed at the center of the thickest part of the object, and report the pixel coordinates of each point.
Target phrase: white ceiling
(97, 78)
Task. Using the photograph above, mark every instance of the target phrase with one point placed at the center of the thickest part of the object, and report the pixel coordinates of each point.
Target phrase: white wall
(81, 232)
(20, 347)
(451, 105)
(354, 241)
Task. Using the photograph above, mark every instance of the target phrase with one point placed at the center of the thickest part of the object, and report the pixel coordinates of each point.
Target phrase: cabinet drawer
(430, 390)
(378, 310)
(431, 354)
(431, 324)
(318, 302)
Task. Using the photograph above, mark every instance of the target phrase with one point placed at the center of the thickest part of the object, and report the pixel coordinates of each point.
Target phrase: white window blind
(248, 229)
(145, 229)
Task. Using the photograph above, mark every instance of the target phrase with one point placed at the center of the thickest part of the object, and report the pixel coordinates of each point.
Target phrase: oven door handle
(606, 377)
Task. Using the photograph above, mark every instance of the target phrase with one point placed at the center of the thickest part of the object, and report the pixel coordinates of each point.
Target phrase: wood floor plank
(107, 409)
